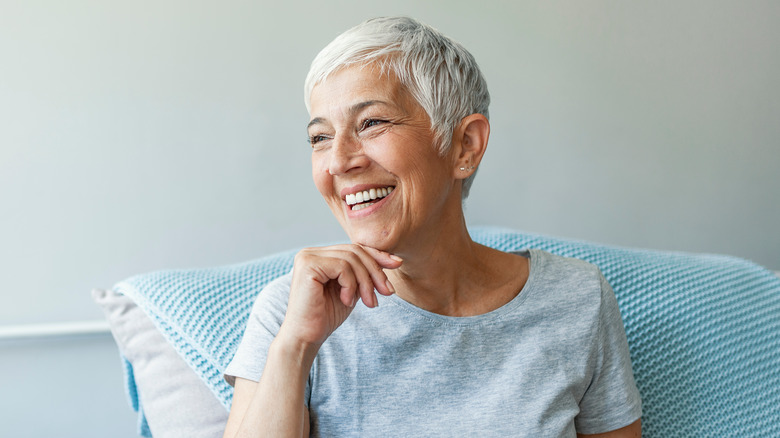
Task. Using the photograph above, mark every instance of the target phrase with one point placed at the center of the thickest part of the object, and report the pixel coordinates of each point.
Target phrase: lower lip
(368, 210)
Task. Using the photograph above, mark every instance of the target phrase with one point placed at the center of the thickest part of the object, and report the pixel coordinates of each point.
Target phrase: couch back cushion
(703, 330)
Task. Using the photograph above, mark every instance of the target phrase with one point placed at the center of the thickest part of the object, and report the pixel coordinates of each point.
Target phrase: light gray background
(156, 134)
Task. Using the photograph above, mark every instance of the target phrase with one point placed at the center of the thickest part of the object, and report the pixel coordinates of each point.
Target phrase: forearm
(277, 407)
(325, 286)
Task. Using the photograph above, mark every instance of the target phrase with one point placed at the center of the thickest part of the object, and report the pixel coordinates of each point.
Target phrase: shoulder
(556, 261)
(565, 272)
(580, 288)
(261, 328)
(274, 296)
(566, 290)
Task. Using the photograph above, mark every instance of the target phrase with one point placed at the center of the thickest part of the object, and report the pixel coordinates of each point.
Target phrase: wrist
(294, 349)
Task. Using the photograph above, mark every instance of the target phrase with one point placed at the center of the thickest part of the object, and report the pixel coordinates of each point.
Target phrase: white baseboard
(57, 330)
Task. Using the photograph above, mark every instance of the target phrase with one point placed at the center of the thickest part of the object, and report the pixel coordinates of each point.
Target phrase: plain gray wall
(156, 134)
(63, 388)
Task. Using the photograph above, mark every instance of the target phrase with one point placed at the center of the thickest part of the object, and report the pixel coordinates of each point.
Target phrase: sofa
(703, 332)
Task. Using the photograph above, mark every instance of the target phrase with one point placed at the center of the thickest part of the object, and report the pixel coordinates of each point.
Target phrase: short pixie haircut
(441, 75)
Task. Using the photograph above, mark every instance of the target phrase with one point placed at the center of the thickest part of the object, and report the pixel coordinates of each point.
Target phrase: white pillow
(176, 402)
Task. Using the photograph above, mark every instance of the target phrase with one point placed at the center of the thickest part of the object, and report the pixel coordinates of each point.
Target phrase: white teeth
(365, 196)
(362, 206)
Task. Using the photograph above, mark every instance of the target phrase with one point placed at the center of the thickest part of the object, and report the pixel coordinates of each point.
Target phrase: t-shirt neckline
(535, 262)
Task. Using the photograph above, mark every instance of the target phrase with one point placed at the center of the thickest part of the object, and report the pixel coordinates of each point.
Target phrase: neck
(448, 273)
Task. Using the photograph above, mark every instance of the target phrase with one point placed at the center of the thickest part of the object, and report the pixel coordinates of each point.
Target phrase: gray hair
(440, 74)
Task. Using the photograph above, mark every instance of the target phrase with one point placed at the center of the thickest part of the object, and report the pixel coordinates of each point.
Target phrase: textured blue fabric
(132, 394)
(703, 330)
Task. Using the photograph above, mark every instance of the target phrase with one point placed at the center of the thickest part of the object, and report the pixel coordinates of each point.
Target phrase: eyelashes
(367, 124)
(315, 139)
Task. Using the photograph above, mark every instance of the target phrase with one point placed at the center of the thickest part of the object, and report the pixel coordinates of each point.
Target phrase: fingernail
(396, 258)
(389, 286)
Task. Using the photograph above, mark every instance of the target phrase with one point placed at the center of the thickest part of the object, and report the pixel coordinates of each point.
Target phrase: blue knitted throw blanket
(703, 330)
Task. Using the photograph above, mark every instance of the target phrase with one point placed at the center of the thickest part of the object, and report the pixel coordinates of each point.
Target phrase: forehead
(351, 86)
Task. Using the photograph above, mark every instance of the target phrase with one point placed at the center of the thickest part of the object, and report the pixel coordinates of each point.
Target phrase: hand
(327, 283)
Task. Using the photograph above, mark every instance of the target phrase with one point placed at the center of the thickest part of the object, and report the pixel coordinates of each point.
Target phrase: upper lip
(361, 187)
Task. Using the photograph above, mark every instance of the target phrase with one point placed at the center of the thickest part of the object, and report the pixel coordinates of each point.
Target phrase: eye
(314, 140)
(371, 122)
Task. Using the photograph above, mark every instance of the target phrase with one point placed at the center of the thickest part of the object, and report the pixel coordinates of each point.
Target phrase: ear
(469, 142)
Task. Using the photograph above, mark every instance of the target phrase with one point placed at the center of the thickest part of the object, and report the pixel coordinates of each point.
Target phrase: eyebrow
(356, 108)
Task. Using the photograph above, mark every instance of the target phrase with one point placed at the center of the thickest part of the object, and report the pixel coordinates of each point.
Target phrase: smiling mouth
(360, 200)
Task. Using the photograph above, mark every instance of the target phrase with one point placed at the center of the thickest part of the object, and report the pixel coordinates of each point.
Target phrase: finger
(348, 295)
(360, 274)
(378, 277)
(336, 276)
(367, 274)
(335, 273)
(383, 258)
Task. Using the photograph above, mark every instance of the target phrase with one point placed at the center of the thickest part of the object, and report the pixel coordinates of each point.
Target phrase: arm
(276, 402)
(326, 285)
(633, 430)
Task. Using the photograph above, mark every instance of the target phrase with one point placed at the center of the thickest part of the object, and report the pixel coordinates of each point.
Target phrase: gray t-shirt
(552, 360)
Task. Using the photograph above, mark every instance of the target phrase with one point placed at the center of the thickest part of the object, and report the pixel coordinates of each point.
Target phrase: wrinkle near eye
(376, 130)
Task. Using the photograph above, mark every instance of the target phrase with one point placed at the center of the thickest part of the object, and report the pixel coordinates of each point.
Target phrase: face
(374, 161)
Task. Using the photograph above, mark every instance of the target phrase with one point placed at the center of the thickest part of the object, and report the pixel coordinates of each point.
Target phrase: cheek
(319, 174)
(402, 154)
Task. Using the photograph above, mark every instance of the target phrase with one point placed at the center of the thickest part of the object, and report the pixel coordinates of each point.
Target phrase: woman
(452, 337)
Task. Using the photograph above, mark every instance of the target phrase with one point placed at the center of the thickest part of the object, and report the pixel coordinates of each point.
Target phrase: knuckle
(303, 256)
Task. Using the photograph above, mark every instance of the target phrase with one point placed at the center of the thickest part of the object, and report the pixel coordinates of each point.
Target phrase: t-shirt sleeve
(264, 322)
(612, 399)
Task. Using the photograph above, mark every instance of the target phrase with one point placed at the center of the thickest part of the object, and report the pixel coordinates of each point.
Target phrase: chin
(373, 239)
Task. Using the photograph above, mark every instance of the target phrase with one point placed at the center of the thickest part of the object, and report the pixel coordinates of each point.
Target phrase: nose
(346, 154)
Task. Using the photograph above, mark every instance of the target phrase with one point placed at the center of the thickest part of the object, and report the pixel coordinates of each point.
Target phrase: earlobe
(469, 143)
